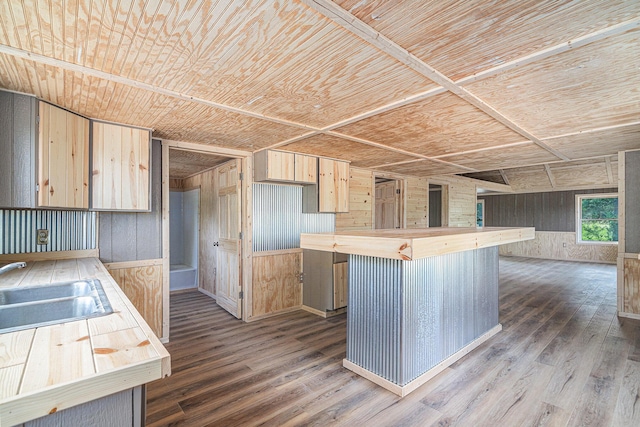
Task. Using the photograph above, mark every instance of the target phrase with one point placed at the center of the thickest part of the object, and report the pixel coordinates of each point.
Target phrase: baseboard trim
(629, 315)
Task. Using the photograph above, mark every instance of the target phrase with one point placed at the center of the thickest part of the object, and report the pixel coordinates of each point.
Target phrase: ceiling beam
(607, 161)
(349, 22)
(552, 179)
(204, 148)
(504, 176)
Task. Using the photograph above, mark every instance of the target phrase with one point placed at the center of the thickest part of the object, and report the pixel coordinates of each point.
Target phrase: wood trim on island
(410, 244)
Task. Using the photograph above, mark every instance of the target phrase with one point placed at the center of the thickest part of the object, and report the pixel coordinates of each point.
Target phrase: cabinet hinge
(37, 120)
(240, 235)
(37, 187)
(241, 176)
(241, 295)
(301, 277)
(397, 191)
(216, 243)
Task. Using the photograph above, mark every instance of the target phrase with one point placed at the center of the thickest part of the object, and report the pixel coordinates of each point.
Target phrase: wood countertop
(47, 369)
(410, 244)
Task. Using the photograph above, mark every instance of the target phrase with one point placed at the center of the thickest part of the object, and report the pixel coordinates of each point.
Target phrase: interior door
(386, 205)
(229, 244)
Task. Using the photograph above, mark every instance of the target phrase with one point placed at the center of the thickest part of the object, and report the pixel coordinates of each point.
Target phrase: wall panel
(552, 211)
(142, 284)
(130, 236)
(361, 206)
(417, 199)
(276, 283)
(561, 246)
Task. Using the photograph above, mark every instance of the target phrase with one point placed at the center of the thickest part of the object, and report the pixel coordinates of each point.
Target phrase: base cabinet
(325, 280)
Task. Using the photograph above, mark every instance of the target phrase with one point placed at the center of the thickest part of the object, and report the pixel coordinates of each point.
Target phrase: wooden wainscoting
(561, 246)
(141, 282)
(631, 290)
(276, 282)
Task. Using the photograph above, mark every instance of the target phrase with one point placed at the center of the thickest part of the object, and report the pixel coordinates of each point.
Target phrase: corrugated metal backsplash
(278, 219)
(68, 230)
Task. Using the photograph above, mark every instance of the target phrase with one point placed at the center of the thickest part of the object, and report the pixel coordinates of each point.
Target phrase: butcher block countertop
(47, 369)
(410, 244)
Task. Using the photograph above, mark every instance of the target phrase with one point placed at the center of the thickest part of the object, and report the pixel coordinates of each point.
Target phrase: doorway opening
(204, 222)
(184, 219)
(435, 205)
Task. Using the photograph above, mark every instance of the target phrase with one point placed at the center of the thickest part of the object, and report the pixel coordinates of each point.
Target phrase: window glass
(598, 218)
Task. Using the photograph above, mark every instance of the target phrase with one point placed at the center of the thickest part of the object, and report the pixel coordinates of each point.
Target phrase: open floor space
(563, 358)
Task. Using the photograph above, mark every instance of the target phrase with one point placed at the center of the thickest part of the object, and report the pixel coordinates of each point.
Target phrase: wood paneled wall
(417, 202)
(130, 236)
(561, 246)
(276, 283)
(361, 205)
(552, 211)
(141, 281)
(460, 196)
(631, 295)
(208, 229)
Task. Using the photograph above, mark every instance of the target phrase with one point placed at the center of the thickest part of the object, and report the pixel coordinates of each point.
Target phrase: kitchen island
(419, 299)
(71, 372)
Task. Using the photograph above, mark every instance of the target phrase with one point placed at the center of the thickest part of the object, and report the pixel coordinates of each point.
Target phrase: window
(597, 218)
(480, 213)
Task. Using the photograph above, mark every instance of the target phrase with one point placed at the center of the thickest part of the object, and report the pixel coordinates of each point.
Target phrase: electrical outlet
(43, 237)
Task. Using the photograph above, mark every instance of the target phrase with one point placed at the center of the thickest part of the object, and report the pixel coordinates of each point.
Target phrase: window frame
(579, 219)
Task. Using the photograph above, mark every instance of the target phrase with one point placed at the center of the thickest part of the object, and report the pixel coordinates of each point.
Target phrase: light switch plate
(43, 237)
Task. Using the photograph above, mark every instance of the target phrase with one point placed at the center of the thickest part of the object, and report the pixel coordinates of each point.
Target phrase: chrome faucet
(12, 266)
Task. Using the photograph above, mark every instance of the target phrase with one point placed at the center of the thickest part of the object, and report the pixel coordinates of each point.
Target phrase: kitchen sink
(34, 306)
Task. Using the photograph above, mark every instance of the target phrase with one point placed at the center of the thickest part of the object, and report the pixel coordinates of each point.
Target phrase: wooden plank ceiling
(418, 88)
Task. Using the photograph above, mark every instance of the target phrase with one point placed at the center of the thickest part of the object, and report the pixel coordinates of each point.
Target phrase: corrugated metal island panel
(405, 317)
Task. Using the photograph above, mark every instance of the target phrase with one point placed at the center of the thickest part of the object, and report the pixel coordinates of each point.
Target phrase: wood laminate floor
(563, 359)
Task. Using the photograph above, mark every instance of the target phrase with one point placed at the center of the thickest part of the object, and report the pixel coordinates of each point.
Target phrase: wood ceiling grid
(124, 43)
(502, 157)
(423, 168)
(360, 155)
(598, 143)
(439, 125)
(221, 128)
(597, 87)
(458, 41)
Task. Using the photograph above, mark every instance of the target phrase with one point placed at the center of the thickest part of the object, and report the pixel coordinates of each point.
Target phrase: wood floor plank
(562, 359)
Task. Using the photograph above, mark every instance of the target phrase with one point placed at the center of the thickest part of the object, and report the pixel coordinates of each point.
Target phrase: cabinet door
(280, 165)
(333, 186)
(306, 168)
(63, 158)
(340, 285)
(120, 166)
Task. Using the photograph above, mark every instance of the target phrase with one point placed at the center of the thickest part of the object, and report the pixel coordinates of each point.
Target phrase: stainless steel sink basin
(38, 293)
(35, 306)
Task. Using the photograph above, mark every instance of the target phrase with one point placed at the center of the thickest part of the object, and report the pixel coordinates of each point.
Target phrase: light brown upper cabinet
(282, 166)
(63, 158)
(306, 168)
(331, 194)
(120, 165)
